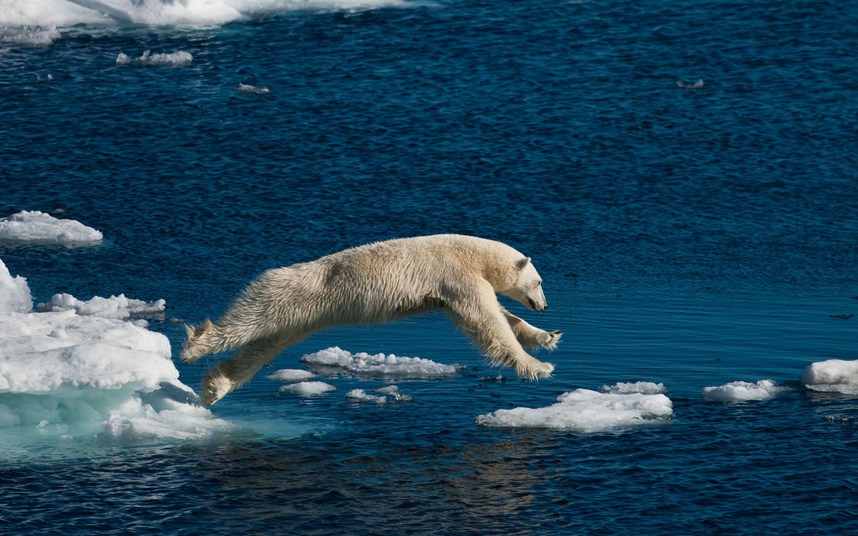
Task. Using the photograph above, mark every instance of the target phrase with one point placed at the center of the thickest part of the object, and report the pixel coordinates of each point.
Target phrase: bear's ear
(521, 263)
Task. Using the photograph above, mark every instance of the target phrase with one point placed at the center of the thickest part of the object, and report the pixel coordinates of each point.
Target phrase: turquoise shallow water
(687, 236)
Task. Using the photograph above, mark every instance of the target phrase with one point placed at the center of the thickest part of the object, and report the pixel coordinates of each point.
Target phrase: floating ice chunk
(389, 393)
(14, 292)
(832, 376)
(39, 228)
(174, 59)
(645, 388)
(307, 389)
(247, 88)
(743, 391)
(689, 85)
(586, 411)
(290, 375)
(378, 364)
(359, 395)
(123, 59)
(112, 307)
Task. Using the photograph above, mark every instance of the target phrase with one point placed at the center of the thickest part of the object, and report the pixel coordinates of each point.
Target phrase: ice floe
(586, 411)
(36, 227)
(743, 391)
(37, 23)
(645, 388)
(256, 90)
(308, 389)
(390, 393)
(832, 376)
(112, 307)
(290, 375)
(74, 375)
(172, 59)
(338, 360)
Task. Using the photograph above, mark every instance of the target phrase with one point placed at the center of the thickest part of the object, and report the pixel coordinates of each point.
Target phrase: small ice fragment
(174, 59)
(247, 88)
(743, 391)
(832, 376)
(290, 375)
(645, 388)
(359, 395)
(686, 85)
(123, 59)
(308, 389)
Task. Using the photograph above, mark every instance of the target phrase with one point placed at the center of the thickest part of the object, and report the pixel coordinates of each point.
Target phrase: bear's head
(527, 289)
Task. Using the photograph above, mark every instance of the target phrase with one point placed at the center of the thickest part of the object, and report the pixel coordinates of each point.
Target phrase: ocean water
(683, 175)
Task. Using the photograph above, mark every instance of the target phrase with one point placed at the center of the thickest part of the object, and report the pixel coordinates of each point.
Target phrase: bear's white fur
(376, 283)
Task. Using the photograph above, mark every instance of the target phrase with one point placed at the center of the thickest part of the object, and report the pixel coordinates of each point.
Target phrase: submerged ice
(586, 411)
(79, 375)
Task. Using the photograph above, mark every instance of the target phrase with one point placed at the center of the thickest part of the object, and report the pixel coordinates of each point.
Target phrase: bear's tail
(201, 341)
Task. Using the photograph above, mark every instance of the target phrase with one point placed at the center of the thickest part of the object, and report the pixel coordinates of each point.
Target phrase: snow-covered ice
(586, 411)
(308, 389)
(36, 227)
(42, 18)
(14, 292)
(365, 364)
(832, 376)
(77, 375)
(290, 375)
(743, 391)
(112, 307)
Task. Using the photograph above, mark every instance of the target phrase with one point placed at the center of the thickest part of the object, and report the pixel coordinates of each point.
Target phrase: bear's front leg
(483, 318)
(531, 336)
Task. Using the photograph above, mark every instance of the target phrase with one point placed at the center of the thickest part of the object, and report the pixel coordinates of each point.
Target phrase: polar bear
(375, 283)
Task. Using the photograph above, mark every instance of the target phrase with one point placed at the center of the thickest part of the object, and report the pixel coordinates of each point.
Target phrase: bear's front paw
(549, 340)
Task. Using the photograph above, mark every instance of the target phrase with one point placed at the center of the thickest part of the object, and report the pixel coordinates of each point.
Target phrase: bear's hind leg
(531, 336)
(228, 375)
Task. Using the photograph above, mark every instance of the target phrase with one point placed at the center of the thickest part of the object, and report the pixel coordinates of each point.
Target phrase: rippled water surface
(689, 233)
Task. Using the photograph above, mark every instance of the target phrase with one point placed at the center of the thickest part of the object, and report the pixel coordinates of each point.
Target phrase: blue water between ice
(687, 235)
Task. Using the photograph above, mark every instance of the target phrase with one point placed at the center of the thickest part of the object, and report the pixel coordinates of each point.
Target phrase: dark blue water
(687, 235)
